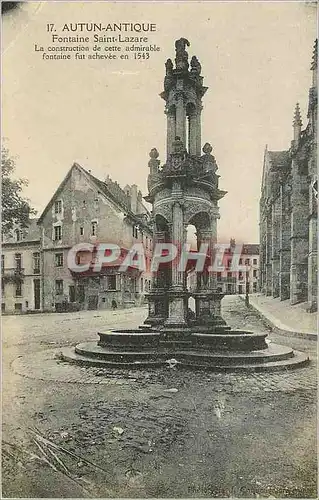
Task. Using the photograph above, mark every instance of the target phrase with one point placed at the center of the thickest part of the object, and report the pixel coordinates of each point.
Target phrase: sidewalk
(284, 316)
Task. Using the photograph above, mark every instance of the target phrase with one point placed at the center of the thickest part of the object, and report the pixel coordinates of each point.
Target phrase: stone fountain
(185, 191)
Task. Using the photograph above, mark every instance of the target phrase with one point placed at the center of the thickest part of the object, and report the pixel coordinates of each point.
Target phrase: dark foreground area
(70, 431)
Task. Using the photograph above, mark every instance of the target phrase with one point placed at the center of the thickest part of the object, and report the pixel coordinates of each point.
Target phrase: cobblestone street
(70, 431)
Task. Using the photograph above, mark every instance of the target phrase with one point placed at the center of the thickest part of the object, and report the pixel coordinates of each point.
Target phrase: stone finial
(314, 62)
(169, 67)
(181, 59)
(154, 154)
(196, 67)
(207, 148)
(297, 117)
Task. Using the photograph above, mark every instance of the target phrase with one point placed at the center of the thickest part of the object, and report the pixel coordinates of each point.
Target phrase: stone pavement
(285, 317)
(70, 431)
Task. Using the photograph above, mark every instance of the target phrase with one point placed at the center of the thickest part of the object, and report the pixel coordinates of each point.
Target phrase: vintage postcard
(159, 249)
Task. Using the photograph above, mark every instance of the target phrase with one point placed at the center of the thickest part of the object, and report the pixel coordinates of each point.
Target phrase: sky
(107, 115)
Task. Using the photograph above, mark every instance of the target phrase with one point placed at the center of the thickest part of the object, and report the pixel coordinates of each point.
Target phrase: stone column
(171, 130)
(284, 248)
(157, 305)
(207, 298)
(181, 118)
(275, 257)
(299, 237)
(198, 133)
(192, 131)
(177, 312)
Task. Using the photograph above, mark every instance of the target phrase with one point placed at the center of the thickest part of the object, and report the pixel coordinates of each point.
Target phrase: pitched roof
(30, 234)
(112, 191)
(250, 249)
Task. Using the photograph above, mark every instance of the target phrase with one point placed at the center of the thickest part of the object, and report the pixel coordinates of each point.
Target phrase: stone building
(21, 270)
(288, 212)
(83, 209)
(231, 280)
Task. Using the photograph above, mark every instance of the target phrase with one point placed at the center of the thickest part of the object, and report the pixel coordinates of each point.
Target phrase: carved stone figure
(181, 59)
(196, 66)
(178, 146)
(169, 67)
(169, 78)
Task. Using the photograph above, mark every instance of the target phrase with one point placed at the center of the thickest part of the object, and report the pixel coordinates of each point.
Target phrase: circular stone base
(274, 357)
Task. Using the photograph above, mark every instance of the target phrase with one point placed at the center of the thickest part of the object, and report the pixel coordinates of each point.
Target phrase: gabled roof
(30, 234)
(100, 186)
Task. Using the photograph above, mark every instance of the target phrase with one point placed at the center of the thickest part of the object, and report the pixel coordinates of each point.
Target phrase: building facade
(288, 212)
(82, 210)
(21, 270)
(231, 280)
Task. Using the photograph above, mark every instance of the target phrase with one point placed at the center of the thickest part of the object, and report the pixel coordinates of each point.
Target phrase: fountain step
(274, 358)
(272, 353)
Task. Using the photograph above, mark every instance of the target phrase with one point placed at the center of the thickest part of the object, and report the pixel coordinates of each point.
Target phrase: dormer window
(19, 235)
(58, 207)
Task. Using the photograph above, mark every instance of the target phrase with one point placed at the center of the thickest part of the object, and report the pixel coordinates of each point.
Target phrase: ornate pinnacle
(297, 117)
(207, 148)
(154, 154)
(314, 62)
(181, 59)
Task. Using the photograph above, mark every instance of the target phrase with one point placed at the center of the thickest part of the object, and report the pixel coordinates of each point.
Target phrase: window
(18, 289)
(18, 261)
(240, 275)
(240, 289)
(36, 263)
(2, 263)
(135, 231)
(93, 228)
(59, 287)
(111, 282)
(247, 262)
(229, 263)
(3, 307)
(229, 275)
(57, 233)
(142, 285)
(255, 262)
(58, 259)
(240, 262)
(19, 235)
(18, 307)
(81, 230)
(254, 287)
(255, 273)
(58, 207)
(219, 276)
